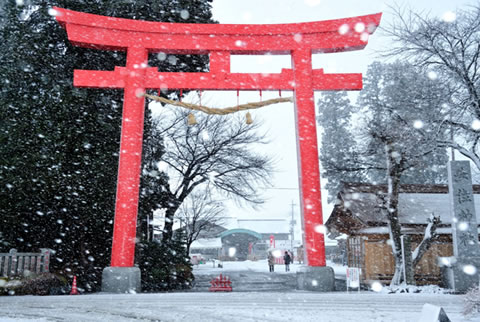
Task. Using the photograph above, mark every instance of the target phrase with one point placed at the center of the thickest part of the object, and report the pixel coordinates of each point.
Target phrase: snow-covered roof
(265, 226)
(358, 207)
(414, 208)
(406, 230)
(207, 243)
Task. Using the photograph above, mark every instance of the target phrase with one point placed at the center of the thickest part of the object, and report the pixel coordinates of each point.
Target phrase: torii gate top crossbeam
(95, 31)
(219, 41)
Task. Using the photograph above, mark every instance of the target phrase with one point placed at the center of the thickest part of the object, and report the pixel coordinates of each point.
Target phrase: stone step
(250, 281)
(257, 282)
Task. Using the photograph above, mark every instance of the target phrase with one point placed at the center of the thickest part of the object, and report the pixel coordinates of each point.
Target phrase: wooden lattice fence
(16, 264)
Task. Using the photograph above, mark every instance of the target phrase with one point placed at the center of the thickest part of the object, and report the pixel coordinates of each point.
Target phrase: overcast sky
(279, 119)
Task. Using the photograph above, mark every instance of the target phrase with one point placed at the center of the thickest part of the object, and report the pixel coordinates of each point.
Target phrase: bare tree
(199, 215)
(449, 49)
(216, 154)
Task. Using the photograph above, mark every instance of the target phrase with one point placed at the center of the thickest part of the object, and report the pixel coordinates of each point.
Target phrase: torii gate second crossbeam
(219, 41)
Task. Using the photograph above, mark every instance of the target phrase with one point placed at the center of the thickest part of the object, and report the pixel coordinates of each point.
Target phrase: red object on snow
(74, 287)
(219, 41)
(221, 284)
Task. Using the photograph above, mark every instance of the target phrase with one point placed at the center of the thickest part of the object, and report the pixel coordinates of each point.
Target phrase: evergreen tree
(337, 152)
(401, 105)
(392, 104)
(165, 266)
(59, 144)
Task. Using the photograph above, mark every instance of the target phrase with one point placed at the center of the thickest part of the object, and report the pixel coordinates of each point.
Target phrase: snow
(291, 305)
(257, 266)
(203, 243)
(261, 306)
(430, 313)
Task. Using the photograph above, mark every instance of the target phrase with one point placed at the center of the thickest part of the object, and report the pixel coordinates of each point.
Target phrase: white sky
(279, 119)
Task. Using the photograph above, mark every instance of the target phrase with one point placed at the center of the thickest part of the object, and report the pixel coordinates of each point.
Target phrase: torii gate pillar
(138, 38)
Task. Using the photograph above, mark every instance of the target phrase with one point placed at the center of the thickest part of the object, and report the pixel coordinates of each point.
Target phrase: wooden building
(357, 216)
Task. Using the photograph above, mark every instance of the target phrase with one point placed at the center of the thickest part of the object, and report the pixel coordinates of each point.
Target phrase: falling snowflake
(449, 16)
(321, 229)
(432, 75)
(469, 269)
(343, 29)
(359, 27)
(184, 14)
(476, 125)
(377, 287)
(418, 124)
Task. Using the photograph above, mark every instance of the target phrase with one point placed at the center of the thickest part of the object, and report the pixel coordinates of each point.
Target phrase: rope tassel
(248, 118)
(191, 119)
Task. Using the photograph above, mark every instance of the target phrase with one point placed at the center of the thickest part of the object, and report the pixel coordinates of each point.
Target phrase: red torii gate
(220, 41)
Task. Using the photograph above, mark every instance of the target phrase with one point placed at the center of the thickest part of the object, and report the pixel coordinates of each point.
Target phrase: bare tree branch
(217, 152)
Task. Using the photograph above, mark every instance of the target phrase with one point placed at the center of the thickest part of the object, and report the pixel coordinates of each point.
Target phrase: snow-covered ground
(291, 306)
(236, 306)
(256, 266)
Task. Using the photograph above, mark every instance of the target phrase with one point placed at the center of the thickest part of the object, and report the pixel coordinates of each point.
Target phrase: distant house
(210, 248)
(208, 243)
(239, 243)
(251, 238)
(246, 239)
(357, 215)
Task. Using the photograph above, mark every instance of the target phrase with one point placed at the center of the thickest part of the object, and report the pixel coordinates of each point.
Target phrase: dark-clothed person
(287, 259)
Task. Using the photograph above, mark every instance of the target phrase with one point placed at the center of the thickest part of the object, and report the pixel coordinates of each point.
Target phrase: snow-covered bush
(472, 301)
(42, 284)
(402, 288)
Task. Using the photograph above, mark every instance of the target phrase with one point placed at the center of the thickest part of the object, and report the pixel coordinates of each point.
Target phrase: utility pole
(292, 228)
(452, 150)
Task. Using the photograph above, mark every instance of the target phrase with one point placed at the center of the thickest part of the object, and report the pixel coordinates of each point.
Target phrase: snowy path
(291, 306)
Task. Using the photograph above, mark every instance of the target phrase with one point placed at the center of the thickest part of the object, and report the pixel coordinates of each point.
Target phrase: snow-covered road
(291, 306)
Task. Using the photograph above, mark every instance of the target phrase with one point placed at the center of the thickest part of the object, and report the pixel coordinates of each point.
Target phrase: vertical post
(402, 244)
(13, 262)
(38, 266)
(46, 259)
(130, 157)
(219, 62)
(310, 196)
(20, 265)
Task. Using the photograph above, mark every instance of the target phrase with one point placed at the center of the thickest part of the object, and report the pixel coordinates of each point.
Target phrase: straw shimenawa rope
(220, 111)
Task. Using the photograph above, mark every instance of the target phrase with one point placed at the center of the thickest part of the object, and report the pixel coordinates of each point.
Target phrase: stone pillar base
(121, 280)
(460, 274)
(316, 278)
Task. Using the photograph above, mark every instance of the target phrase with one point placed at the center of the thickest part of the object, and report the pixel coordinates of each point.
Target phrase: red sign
(138, 38)
(272, 241)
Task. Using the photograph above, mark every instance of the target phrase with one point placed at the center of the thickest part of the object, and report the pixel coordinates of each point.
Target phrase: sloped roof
(240, 231)
(358, 205)
(265, 226)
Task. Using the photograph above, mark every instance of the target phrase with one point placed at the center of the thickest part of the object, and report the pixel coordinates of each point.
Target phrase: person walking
(287, 259)
(271, 261)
